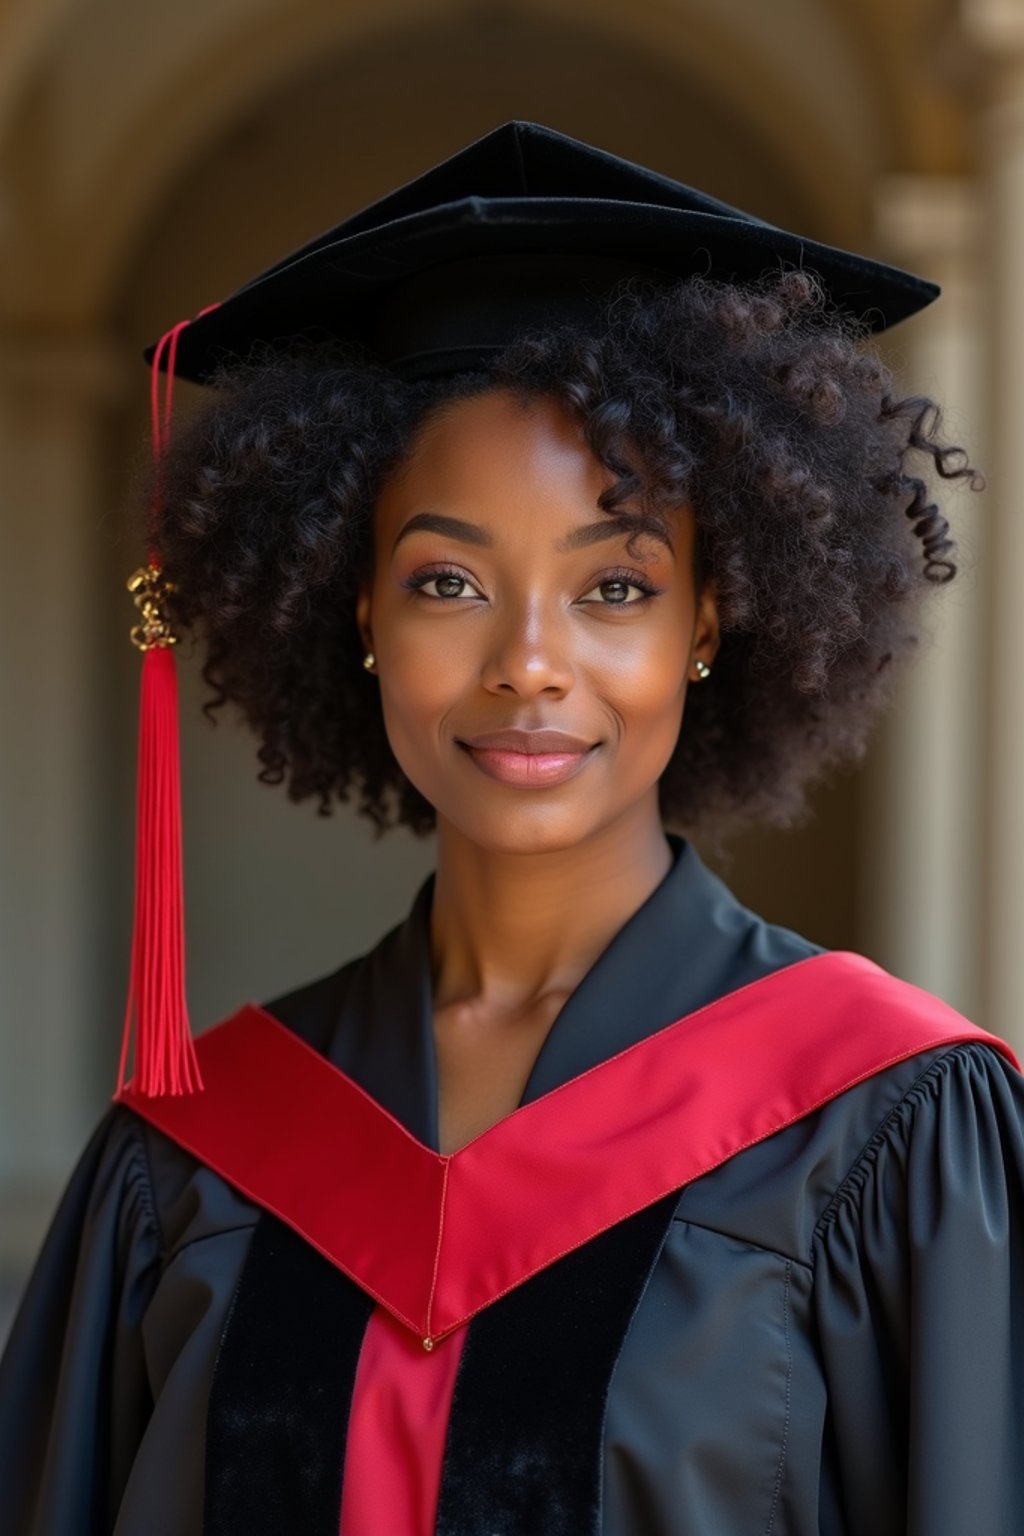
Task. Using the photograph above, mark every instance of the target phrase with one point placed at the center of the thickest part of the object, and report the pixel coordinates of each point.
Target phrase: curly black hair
(759, 405)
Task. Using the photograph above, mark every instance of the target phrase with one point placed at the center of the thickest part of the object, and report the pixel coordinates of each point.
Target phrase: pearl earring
(369, 661)
(703, 670)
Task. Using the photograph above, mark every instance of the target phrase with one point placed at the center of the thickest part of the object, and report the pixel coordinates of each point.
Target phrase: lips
(529, 759)
(536, 742)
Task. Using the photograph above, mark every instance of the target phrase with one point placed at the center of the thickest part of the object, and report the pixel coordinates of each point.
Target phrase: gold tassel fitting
(149, 589)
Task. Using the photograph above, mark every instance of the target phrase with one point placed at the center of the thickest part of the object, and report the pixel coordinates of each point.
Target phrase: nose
(528, 651)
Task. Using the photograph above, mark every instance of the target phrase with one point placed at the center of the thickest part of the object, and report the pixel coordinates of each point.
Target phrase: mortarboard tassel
(164, 1052)
(165, 1059)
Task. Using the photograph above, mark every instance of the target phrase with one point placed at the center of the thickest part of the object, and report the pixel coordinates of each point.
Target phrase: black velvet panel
(524, 1453)
(282, 1386)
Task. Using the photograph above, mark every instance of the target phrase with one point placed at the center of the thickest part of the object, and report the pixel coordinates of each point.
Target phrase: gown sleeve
(74, 1397)
(919, 1303)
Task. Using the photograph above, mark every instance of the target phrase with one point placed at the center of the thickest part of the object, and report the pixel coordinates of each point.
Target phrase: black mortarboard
(522, 225)
(522, 222)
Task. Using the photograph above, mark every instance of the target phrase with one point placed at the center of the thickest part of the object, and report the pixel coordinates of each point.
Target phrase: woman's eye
(614, 592)
(447, 584)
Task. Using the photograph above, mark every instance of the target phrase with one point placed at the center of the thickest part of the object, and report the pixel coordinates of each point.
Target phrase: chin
(522, 830)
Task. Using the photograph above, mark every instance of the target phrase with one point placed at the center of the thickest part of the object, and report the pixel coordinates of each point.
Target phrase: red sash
(435, 1238)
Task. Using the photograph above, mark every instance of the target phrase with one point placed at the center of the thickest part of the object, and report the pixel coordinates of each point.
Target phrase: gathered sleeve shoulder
(918, 1266)
(74, 1398)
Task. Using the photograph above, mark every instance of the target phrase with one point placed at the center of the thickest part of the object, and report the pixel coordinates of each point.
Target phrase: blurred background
(153, 157)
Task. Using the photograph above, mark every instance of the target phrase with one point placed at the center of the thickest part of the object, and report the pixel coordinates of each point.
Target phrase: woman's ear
(706, 634)
(363, 606)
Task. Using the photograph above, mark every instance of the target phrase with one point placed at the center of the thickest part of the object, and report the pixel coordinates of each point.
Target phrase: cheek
(428, 663)
(643, 684)
(424, 670)
(640, 671)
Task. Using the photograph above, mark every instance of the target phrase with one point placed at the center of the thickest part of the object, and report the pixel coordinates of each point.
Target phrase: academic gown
(822, 1335)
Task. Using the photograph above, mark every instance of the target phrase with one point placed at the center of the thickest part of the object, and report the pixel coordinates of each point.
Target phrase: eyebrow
(471, 533)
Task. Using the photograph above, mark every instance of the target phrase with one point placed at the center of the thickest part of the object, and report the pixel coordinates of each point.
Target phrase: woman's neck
(508, 929)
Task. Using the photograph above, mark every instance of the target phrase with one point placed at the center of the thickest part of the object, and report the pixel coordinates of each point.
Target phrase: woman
(587, 1200)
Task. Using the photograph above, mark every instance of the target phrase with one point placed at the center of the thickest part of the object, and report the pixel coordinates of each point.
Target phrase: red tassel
(165, 1059)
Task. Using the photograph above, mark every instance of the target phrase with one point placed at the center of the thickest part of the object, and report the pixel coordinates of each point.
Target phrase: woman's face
(503, 599)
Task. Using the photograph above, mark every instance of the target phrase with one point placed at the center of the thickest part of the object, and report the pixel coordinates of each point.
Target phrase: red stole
(436, 1238)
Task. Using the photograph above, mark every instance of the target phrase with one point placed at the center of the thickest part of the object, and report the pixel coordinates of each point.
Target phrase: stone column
(996, 29)
(53, 398)
(924, 780)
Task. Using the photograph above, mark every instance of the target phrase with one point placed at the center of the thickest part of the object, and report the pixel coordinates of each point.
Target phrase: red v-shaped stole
(435, 1238)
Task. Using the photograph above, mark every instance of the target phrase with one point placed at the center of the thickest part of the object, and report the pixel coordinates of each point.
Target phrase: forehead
(501, 460)
(520, 471)
(495, 437)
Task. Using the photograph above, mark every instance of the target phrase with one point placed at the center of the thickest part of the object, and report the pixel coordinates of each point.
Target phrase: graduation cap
(524, 220)
(521, 226)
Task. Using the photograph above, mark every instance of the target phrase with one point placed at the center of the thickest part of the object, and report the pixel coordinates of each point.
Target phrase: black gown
(830, 1340)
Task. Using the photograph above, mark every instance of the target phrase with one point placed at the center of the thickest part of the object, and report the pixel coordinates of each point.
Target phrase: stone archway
(108, 111)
